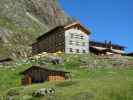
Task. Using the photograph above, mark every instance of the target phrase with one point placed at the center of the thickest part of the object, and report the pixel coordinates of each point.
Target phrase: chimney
(110, 45)
(106, 45)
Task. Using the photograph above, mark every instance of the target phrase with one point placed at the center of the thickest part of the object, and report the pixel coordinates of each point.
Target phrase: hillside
(92, 78)
(21, 21)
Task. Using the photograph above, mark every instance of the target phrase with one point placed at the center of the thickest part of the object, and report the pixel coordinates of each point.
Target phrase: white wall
(75, 40)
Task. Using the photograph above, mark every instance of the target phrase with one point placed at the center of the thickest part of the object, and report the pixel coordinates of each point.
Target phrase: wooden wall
(26, 80)
(56, 76)
(51, 42)
(35, 48)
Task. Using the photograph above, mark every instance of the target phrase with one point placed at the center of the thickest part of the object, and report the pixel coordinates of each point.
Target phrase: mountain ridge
(27, 19)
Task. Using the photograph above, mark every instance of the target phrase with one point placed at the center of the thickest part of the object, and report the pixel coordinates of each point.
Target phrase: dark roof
(103, 51)
(63, 27)
(103, 43)
(80, 25)
(50, 31)
(45, 68)
(130, 54)
(5, 59)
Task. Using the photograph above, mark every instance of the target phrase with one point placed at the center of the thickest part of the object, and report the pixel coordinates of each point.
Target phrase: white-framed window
(81, 37)
(77, 51)
(77, 43)
(84, 51)
(76, 36)
(70, 50)
(83, 43)
(72, 35)
(70, 42)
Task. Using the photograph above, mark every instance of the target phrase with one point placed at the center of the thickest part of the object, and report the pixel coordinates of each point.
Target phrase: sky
(107, 19)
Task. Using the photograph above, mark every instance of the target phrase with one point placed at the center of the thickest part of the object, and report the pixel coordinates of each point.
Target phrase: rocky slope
(25, 20)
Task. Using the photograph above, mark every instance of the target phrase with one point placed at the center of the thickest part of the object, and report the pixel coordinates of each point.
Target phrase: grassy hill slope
(92, 78)
(25, 20)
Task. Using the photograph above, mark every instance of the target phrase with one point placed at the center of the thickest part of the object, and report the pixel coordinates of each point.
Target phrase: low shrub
(13, 92)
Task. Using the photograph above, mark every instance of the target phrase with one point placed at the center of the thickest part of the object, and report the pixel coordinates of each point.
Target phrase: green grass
(12, 25)
(12, 31)
(86, 83)
(98, 88)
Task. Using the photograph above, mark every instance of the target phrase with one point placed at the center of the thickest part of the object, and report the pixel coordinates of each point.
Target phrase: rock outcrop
(25, 20)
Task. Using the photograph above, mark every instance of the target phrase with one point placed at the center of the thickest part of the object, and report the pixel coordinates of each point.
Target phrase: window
(77, 43)
(56, 44)
(72, 35)
(77, 50)
(71, 50)
(84, 51)
(76, 36)
(59, 44)
(83, 44)
(81, 37)
(59, 35)
(71, 42)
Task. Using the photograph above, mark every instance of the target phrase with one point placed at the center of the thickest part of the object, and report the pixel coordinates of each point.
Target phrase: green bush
(13, 92)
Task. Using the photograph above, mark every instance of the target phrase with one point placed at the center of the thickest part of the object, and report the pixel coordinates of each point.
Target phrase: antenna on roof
(110, 44)
(106, 44)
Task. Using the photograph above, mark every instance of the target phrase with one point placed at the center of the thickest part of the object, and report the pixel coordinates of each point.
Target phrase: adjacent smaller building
(40, 74)
(106, 48)
(129, 54)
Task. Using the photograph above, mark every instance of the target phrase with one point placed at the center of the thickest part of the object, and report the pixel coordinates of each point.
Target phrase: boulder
(43, 92)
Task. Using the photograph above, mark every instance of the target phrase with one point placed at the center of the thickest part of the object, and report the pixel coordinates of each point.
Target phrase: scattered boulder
(50, 91)
(43, 92)
(10, 98)
(40, 92)
(13, 92)
(55, 60)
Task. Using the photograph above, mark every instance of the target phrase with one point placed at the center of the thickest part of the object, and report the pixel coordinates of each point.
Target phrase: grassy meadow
(91, 79)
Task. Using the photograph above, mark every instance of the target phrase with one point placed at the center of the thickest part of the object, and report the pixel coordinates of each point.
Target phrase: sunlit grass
(106, 83)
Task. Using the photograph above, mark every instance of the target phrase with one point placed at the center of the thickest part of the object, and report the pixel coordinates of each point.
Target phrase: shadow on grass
(66, 84)
(83, 96)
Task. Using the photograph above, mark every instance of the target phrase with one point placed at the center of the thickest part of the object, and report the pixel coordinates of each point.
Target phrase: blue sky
(107, 19)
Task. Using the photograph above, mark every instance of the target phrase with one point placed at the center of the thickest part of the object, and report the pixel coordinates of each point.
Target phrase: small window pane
(71, 42)
(81, 37)
(72, 35)
(71, 50)
(84, 51)
(60, 35)
(83, 44)
(76, 36)
(77, 43)
(77, 50)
